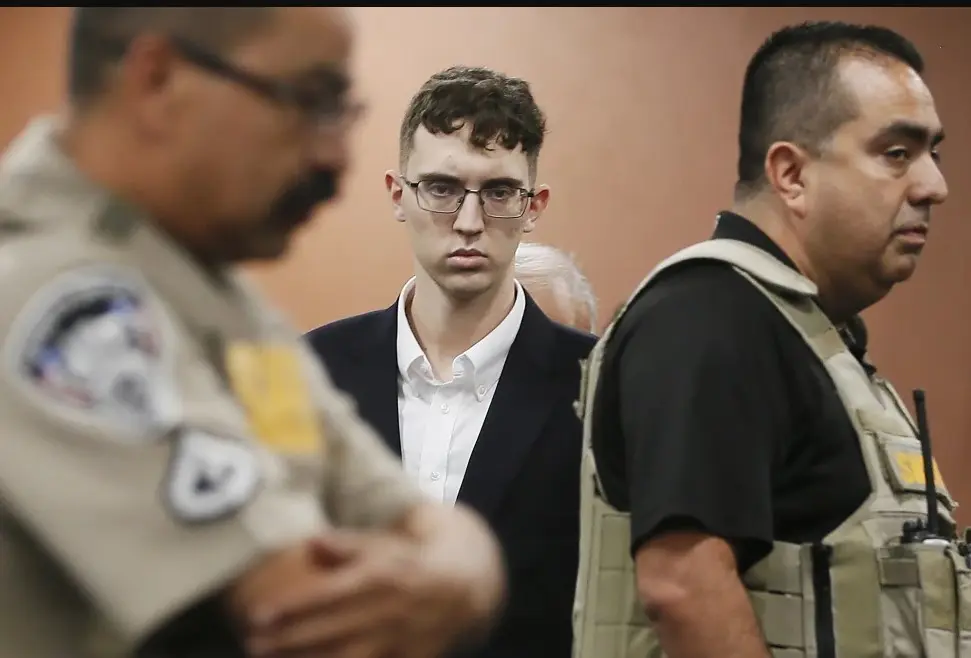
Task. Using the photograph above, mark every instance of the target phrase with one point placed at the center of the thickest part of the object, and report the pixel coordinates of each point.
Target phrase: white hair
(549, 266)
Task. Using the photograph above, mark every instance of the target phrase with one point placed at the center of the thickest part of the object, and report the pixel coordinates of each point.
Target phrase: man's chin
(465, 284)
(903, 268)
(263, 249)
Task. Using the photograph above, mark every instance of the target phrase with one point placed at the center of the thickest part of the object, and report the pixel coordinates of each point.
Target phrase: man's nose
(331, 149)
(469, 218)
(930, 186)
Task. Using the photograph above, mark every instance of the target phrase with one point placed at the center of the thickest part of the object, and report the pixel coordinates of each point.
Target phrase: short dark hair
(792, 90)
(500, 110)
(100, 36)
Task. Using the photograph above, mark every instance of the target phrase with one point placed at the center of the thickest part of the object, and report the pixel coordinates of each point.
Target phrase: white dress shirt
(439, 421)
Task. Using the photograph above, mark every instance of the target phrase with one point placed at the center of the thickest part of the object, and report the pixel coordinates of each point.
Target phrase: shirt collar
(731, 226)
(410, 354)
(481, 364)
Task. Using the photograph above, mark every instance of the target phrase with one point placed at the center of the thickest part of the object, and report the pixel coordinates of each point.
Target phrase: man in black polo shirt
(736, 427)
(715, 426)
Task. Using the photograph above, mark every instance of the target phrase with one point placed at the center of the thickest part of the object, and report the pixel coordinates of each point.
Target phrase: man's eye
(440, 189)
(319, 102)
(501, 193)
(898, 154)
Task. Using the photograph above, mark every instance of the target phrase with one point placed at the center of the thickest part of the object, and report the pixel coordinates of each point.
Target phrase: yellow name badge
(269, 382)
(910, 466)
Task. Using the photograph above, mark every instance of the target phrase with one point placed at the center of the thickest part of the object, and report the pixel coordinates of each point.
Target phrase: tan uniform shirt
(162, 429)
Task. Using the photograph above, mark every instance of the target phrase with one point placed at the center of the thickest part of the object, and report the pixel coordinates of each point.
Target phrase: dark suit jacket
(524, 473)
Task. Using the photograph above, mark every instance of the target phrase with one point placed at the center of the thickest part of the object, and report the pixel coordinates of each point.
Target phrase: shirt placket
(437, 440)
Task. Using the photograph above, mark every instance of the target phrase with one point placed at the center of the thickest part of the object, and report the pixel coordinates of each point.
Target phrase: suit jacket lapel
(375, 378)
(521, 405)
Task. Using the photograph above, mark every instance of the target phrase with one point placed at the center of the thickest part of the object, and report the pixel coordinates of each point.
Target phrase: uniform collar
(35, 163)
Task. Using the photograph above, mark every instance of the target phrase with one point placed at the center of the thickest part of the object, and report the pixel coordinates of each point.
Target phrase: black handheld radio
(917, 530)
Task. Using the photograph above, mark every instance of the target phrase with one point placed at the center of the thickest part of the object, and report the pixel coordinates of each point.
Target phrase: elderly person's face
(554, 300)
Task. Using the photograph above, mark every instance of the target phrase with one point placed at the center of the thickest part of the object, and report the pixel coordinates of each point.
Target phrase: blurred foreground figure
(177, 477)
(767, 481)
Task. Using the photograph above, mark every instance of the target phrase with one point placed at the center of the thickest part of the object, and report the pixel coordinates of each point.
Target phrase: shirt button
(444, 408)
(482, 390)
(435, 476)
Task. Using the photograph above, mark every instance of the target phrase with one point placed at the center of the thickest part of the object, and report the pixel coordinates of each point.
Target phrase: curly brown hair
(500, 109)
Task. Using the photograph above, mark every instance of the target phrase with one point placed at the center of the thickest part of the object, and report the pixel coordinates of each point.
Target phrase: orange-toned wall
(643, 107)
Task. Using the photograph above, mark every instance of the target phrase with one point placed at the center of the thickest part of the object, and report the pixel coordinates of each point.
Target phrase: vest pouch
(776, 587)
(919, 607)
(902, 460)
(620, 628)
(609, 620)
(963, 601)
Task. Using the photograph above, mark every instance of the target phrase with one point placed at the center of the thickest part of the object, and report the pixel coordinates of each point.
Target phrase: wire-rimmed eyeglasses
(447, 197)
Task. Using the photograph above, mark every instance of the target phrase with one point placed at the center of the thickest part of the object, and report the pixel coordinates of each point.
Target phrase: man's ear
(785, 171)
(537, 204)
(146, 78)
(392, 181)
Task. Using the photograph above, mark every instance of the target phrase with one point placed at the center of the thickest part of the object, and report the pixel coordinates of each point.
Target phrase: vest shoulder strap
(755, 261)
(750, 259)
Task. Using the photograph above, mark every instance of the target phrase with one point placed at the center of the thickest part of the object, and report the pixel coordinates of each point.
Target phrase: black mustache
(296, 203)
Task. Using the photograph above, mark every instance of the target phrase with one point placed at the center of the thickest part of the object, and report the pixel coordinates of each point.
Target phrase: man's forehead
(453, 155)
(889, 91)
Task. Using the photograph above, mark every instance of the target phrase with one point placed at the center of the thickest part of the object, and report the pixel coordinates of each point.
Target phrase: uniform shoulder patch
(88, 349)
(210, 477)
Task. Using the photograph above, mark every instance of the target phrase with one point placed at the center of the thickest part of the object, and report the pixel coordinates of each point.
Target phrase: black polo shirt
(714, 414)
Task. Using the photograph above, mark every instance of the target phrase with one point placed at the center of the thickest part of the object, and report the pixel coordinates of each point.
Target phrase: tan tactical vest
(871, 594)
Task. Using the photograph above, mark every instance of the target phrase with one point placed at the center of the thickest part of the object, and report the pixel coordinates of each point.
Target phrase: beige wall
(643, 106)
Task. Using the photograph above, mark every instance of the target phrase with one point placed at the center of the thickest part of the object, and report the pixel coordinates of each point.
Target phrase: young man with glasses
(178, 477)
(463, 375)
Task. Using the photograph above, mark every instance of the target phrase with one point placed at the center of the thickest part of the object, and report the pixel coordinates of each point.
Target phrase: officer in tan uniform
(767, 481)
(177, 478)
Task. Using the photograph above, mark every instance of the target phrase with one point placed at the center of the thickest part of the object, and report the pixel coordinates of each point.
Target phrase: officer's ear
(146, 81)
(785, 170)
